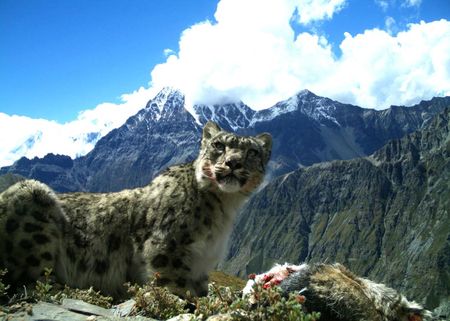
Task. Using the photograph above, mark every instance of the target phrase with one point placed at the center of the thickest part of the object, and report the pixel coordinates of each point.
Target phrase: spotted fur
(177, 226)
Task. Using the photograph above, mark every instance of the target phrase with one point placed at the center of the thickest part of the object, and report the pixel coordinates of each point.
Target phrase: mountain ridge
(306, 128)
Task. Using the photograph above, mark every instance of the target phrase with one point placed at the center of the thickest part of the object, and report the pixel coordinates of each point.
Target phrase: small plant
(219, 300)
(47, 291)
(16, 303)
(156, 302)
(269, 305)
(3, 287)
(87, 295)
(43, 289)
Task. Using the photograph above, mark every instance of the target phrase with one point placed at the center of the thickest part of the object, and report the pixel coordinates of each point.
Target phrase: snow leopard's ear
(265, 140)
(210, 130)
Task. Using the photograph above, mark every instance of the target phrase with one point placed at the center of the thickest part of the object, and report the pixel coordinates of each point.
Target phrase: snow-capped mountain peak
(232, 116)
(169, 103)
(316, 107)
(167, 99)
(313, 106)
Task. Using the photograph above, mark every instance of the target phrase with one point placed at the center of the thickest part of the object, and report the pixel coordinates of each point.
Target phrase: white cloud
(411, 3)
(383, 4)
(391, 25)
(386, 4)
(378, 70)
(168, 52)
(312, 10)
(251, 54)
(38, 137)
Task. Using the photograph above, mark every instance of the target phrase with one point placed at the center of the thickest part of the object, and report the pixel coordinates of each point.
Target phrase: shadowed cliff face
(386, 216)
(306, 129)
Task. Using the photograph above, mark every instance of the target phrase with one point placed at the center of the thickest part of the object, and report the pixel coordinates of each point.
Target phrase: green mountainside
(9, 179)
(386, 217)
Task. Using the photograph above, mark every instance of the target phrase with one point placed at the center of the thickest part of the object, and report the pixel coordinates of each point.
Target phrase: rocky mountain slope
(9, 179)
(386, 216)
(306, 128)
(309, 129)
(160, 135)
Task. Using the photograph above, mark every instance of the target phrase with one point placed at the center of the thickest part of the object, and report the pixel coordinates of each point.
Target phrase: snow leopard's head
(232, 163)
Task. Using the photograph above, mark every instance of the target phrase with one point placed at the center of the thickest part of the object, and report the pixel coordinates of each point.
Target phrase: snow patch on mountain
(169, 104)
(166, 99)
(235, 116)
(320, 109)
(315, 107)
(283, 107)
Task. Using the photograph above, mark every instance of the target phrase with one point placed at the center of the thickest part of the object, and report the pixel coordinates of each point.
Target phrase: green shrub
(268, 305)
(3, 287)
(156, 302)
(87, 295)
(48, 291)
(43, 290)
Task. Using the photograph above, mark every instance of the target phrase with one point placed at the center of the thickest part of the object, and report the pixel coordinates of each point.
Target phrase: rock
(221, 317)
(85, 308)
(71, 310)
(124, 309)
(183, 317)
(48, 311)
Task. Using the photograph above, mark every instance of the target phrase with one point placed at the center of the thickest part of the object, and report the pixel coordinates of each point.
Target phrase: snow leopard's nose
(234, 162)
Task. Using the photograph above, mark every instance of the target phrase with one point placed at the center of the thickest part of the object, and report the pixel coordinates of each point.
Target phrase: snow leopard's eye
(218, 146)
(252, 152)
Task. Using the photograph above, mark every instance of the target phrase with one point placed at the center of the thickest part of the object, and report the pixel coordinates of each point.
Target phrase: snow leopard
(176, 227)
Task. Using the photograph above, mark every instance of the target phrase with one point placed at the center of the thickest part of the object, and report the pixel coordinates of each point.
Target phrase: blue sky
(70, 68)
(60, 57)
